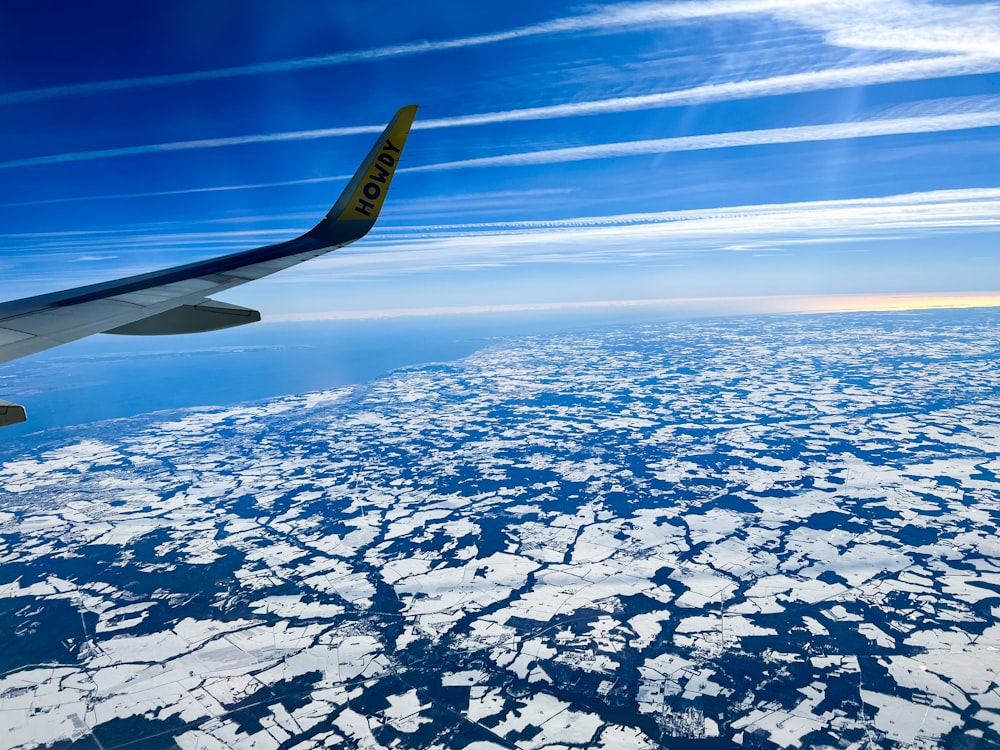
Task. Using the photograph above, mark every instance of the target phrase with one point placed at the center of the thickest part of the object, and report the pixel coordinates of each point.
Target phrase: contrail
(179, 191)
(863, 75)
(899, 26)
(630, 14)
(801, 134)
(157, 148)
(794, 83)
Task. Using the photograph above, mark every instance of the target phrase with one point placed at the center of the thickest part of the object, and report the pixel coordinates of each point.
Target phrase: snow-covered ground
(780, 529)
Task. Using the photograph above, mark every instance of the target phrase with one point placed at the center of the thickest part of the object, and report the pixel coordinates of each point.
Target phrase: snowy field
(775, 532)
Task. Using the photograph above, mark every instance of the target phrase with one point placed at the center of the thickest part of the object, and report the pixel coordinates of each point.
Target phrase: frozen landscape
(769, 532)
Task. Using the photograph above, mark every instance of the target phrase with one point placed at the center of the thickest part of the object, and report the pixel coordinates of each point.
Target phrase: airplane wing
(177, 300)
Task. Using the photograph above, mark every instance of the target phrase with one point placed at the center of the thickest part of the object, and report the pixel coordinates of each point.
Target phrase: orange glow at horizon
(735, 305)
(902, 301)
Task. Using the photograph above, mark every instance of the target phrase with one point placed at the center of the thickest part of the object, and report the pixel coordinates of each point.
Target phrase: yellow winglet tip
(406, 113)
(363, 198)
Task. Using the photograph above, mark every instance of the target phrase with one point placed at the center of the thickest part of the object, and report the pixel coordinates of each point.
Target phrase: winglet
(359, 205)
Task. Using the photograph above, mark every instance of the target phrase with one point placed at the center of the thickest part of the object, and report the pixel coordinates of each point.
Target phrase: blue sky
(564, 154)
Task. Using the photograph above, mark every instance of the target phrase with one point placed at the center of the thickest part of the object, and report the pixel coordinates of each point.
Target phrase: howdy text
(378, 179)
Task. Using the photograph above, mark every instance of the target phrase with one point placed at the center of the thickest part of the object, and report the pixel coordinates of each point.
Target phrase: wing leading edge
(177, 300)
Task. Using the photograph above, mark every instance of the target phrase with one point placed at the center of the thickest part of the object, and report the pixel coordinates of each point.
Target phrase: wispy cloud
(815, 80)
(182, 191)
(801, 134)
(915, 27)
(793, 222)
(966, 205)
(652, 237)
(601, 19)
(94, 258)
(772, 86)
(200, 143)
(901, 25)
(647, 239)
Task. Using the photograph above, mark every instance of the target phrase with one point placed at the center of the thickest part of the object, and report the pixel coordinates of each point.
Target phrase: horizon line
(845, 302)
